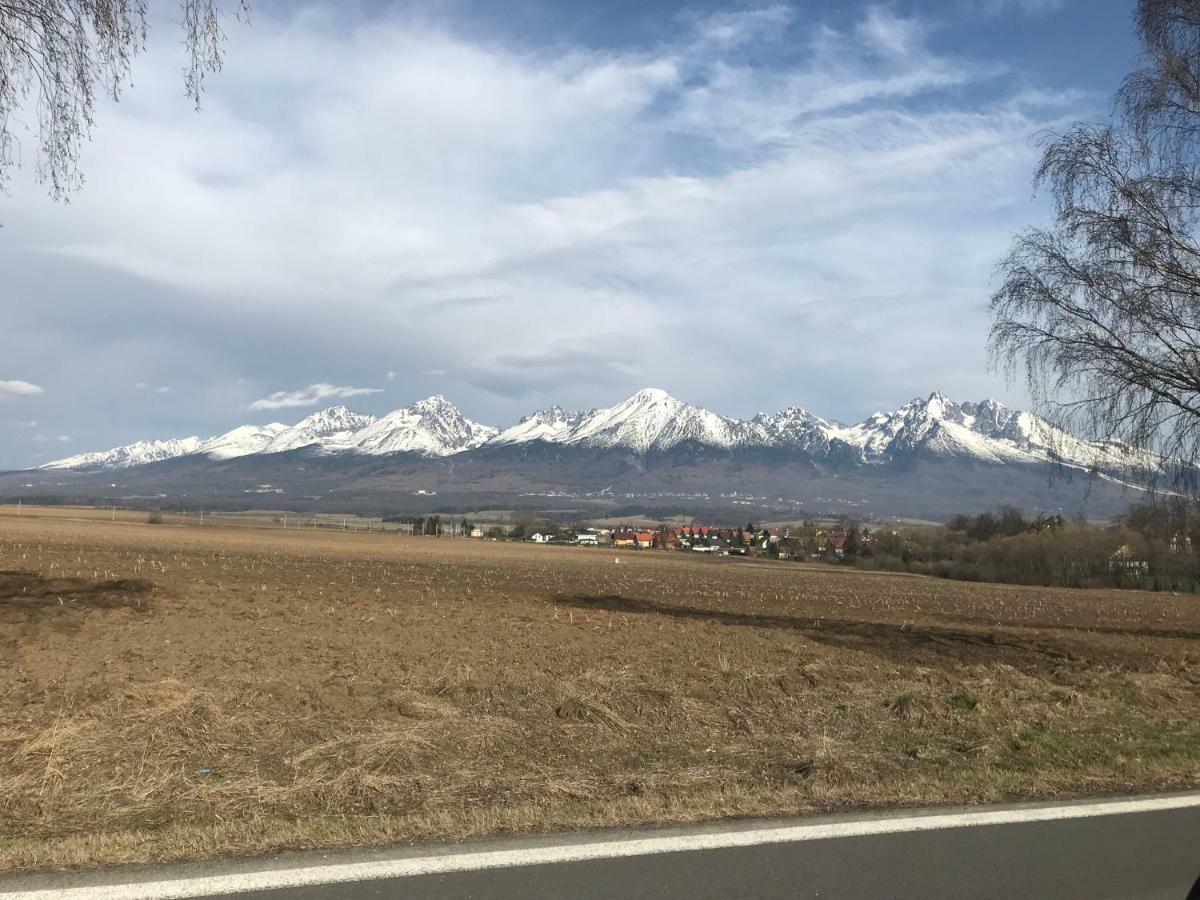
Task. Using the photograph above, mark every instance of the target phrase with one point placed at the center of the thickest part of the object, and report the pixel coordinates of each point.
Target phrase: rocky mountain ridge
(652, 421)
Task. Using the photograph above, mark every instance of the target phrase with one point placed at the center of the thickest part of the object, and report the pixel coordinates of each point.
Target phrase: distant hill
(929, 458)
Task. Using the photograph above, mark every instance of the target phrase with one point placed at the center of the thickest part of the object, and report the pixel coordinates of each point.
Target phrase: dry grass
(172, 693)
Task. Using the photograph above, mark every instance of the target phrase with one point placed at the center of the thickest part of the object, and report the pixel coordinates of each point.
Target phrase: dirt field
(174, 692)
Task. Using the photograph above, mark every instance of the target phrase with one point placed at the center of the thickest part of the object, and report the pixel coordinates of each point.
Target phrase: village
(792, 542)
(1149, 548)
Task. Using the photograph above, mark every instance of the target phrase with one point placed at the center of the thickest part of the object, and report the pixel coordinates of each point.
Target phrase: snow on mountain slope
(652, 420)
(553, 425)
(792, 428)
(242, 441)
(986, 431)
(431, 427)
(329, 429)
(1026, 431)
(885, 434)
(135, 454)
(649, 420)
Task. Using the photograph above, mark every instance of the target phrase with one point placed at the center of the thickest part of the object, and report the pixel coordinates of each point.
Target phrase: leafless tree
(58, 56)
(1101, 309)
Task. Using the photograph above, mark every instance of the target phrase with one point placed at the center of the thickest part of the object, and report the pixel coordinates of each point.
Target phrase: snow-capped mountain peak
(435, 404)
(337, 418)
(938, 405)
(432, 427)
(792, 418)
(884, 435)
(651, 420)
(794, 428)
(242, 441)
(552, 425)
(329, 428)
(135, 454)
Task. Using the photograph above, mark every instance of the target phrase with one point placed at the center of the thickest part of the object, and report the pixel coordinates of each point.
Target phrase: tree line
(433, 525)
(1152, 547)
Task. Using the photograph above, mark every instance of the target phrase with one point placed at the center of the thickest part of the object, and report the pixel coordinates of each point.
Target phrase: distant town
(1149, 547)
(790, 542)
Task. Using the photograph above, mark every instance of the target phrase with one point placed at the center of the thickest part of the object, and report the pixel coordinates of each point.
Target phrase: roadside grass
(174, 695)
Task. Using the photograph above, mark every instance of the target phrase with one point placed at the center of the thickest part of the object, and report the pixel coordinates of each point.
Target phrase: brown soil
(168, 691)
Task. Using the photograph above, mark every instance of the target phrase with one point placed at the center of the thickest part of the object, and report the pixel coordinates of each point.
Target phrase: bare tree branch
(58, 56)
(1101, 310)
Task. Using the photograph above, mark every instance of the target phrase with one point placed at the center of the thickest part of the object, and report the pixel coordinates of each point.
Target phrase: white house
(539, 538)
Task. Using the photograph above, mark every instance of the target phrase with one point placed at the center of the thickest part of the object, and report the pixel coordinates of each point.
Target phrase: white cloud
(888, 33)
(19, 389)
(165, 389)
(1027, 7)
(561, 222)
(310, 396)
(342, 199)
(63, 439)
(736, 27)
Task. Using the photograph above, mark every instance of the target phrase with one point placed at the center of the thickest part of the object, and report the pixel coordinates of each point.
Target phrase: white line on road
(407, 867)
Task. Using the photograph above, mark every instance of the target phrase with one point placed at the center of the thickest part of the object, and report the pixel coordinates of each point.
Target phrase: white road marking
(407, 867)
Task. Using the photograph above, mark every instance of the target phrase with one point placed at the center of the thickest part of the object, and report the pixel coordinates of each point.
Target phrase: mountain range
(929, 457)
(652, 420)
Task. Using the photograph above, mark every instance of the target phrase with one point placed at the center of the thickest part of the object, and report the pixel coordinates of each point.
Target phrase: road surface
(1130, 847)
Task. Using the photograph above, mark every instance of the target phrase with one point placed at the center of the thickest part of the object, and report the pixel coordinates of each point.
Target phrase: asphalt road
(1029, 851)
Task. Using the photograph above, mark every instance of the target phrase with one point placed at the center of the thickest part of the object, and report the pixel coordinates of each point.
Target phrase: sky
(542, 202)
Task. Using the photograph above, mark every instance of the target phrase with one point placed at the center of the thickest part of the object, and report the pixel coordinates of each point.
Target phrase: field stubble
(171, 692)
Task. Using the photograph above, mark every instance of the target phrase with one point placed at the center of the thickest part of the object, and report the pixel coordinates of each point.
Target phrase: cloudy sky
(561, 202)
